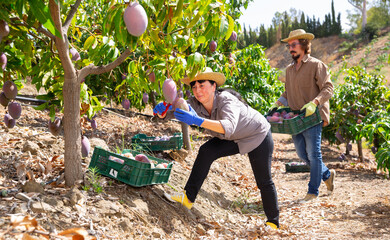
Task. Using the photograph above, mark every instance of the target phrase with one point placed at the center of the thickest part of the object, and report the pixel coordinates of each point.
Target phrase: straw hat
(208, 74)
(298, 34)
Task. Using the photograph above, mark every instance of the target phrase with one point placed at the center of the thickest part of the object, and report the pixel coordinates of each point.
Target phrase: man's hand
(273, 108)
(188, 117)
(310, 108)
(161, 109)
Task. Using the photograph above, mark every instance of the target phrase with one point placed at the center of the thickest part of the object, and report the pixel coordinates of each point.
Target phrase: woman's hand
(188, 117)
(161, 109)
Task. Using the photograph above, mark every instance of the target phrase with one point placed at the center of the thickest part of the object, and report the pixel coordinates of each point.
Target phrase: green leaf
(160, 49)
(179, 9)
(19, 7)
(194, 21)
(89, 42)
(223, 27)
(42, 106)
(132, 67)
(198, 59)
(149, 3)
(108, 21)
(201, 39)
(156, 62)
(231, 27)
(52, 113)
(41, 12)
(121, 32)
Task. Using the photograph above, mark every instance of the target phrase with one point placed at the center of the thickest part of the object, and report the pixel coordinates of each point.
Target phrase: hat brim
(217, 77)
(308, 36)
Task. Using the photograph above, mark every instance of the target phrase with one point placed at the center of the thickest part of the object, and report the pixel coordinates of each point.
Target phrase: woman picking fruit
(237, 128)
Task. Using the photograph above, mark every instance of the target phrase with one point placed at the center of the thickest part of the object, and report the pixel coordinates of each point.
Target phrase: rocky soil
(228, 206)
(35, 204)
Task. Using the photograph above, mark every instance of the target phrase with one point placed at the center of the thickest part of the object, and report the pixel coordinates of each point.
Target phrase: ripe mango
(9, 121)
(126, 104)
(85, 146)
(145, 98)
(10, 90)
(213, 46)
(55, 127)
(182, 104)
(233, 37)
(142, 158)
(93, 124)
(4, 29)
(3, 99)
(135, 18)
(75, 54)
(15, 110)
(169, 90)
(3, 61)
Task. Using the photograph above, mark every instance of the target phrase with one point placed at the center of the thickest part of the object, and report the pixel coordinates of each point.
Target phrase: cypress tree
(302, 23)
(333, 25)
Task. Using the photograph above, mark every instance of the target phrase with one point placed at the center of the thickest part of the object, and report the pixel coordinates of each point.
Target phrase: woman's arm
(213, 125)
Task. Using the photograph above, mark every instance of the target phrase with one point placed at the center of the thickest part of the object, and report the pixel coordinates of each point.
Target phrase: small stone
(41, 207)
(141, 206)
(200, 229)
(53, 202)
(179, 155)
(157, 233)
(125, 224)
(23, 197)
(76, 196)
(32, 147)
(32, 186)
(22, 208)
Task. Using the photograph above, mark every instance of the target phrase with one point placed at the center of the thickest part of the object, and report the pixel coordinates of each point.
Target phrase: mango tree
(360, 110)
(63, 45)
(248, 72)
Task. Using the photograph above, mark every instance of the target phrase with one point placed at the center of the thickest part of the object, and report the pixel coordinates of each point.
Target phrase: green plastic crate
(297, 167)
(127, 170)
(297, 124)
(148, 143)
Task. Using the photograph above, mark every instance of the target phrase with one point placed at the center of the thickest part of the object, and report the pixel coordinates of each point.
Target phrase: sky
(262, 11)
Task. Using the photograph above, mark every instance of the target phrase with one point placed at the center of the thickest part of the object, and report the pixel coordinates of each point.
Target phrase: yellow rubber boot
(181, 198)
(272, 225)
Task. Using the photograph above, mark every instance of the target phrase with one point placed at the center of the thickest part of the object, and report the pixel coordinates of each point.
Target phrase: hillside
(228, 206)
(331, 51)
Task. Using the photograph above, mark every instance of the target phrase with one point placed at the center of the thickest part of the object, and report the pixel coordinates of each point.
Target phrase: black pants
(260, 159)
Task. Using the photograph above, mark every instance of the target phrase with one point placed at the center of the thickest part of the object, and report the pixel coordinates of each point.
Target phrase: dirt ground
(228, 206)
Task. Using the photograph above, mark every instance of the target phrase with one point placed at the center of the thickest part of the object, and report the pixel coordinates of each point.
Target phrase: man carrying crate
(307, 87)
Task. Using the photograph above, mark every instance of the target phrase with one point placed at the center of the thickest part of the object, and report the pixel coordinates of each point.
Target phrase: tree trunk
(186, 136)
(360, 150)
(72, 131)
(153, 99)
(364, 14)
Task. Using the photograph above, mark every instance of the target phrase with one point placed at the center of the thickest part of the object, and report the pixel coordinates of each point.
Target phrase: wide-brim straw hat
(208, 74)
(299, 34)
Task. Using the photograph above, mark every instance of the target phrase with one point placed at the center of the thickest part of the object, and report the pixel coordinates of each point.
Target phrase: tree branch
(355, 5)
(62, 44)
(92, 69)
(71, 14)
(39, 29)
(45, 32)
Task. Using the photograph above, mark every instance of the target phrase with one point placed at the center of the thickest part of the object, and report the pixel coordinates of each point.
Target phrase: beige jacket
(311, 81)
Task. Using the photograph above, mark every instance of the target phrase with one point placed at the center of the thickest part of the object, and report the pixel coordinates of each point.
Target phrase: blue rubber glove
(310, 108)
(188, 117)
(162, 108)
